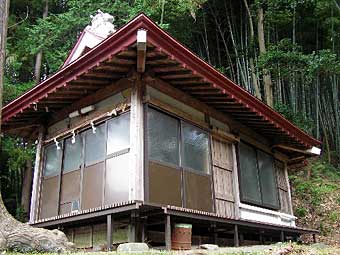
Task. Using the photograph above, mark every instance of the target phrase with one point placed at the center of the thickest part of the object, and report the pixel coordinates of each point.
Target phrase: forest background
(285, 52)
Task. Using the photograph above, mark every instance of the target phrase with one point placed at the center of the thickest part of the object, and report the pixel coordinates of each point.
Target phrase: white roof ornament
(101, 27)
(101, 24)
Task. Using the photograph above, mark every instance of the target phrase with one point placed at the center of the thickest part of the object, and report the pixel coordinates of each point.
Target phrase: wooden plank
(280, 175)
(191, 83)
(179, 76)
(177, 112)
(222, 154)
(102, 69)
(123, 62)
(93, 81)
(166, 69)
(223, 184)
(224, 136)
(290, 203)
(37, 177)
(236, 186)
(160, 62)
(127, 53)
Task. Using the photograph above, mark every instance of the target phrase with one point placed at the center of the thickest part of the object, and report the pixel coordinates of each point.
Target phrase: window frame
(82, 134)
(250, 201)
(44, 160)
(180, 120)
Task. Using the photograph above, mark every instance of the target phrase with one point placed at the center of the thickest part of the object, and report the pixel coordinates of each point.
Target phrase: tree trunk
(18, 236)
(251, 59)
(268, 86)
(15, 235)
(38, 60)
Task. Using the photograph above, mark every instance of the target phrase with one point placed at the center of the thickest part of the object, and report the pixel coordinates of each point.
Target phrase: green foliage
(298, 118)
(300, 212)
(324, 180)
(14, 154)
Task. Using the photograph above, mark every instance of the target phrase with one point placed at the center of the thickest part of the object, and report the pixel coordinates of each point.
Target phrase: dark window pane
(195, 148)
(249, 182)
(73, 154)
(118, 134)
(52, 159)
(267, 179)
(163, 138)
(95, 145)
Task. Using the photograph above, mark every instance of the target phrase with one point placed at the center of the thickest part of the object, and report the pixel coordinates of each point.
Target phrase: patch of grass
(334, 216)
(301, 212)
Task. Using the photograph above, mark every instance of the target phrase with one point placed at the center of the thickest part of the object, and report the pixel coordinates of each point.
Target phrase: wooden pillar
(109, 229)
(236, 240)
(136, 164)
(133, 227)
(282, 237)
(167, 232)
(36, 177)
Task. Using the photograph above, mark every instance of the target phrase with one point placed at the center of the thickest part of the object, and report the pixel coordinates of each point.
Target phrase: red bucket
(181, 237)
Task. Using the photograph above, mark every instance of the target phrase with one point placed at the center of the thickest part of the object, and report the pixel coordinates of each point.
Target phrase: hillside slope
(316, 200)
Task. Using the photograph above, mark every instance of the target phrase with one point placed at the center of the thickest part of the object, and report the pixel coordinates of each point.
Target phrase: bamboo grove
(285, 52)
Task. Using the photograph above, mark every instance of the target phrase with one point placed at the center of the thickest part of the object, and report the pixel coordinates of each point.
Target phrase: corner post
(136, 171)
(36, 177)
(167, 232)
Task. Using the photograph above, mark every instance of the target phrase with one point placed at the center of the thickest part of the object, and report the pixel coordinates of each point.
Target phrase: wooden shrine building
(137, 133)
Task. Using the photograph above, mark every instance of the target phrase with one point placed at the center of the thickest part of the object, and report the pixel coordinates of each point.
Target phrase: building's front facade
(139, 133)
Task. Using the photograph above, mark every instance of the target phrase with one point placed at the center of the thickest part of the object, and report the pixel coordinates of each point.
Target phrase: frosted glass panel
(117, 179)
(52, 160)
(250, 190)
(95, 145)
(118, 133)
(73, 154)
(195, 148)
(267, 180)
(163, 135)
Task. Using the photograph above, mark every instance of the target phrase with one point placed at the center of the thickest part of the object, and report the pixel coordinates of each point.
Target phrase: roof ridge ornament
(101, 24)
(100, 28)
